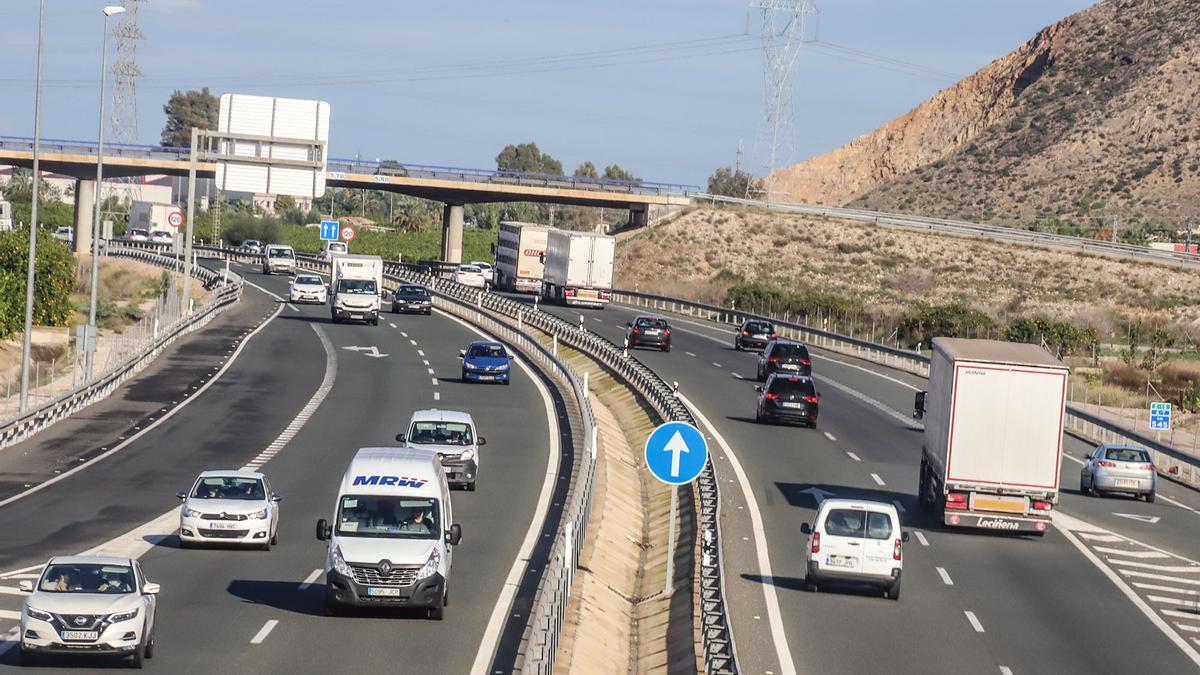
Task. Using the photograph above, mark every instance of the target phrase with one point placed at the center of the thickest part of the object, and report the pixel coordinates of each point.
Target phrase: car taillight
(806, 362)
(809, 399)
(570, 292)
(1107, 464)
(666, 332)
(816, 542)
(772, 397)
(896, 550)
(1042, 506)
(956, 500)
(774, 359)
(636, 330)
(774, 335)
(605, 295)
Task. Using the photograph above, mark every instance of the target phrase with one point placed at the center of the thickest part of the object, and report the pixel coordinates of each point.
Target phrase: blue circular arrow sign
(676, 453)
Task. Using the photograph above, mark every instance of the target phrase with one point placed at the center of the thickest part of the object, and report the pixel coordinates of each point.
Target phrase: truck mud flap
(999, 523)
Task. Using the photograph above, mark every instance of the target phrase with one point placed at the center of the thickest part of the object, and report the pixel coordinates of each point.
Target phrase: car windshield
(470, 269)
(250, 242)
(280, 253)
(86, 578)
(412, 292)
(357, 286)
(791, 386)
(651, 323)
(1127, 455)
(336, 248)
(229, 487)
(388, 516)
(846, 523)
(487, 351)
(757, 327)
(788, 350)
(440, 433)
(303, 280)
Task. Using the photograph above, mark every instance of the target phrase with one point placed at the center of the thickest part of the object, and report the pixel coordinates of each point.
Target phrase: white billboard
(283, 142)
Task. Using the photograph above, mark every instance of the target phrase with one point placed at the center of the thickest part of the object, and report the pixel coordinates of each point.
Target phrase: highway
(971, 602)
(230, 610)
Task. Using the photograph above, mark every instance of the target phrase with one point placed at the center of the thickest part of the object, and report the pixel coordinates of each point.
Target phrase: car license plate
(789, 366)
(487, 377)
(384, 592)
(221, 526)
(1127, 482)
(839, 561)
(80, 635)
(651, 331)
(759, 337)
(789, 404)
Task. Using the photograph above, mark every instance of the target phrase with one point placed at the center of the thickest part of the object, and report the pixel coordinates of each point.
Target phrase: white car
(855, 541)
(469, 275)
(89, 605)
(308, 288)
(330, 248)
(489, 272)
(452, 435)
(65, 233)
(229, 507)
(251, 246)
(279, 258)
(162, 237)
(137, 235)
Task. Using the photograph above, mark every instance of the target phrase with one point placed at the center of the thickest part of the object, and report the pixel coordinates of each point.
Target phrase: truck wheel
(1149, 497)
(1083, 488)
(471, 486)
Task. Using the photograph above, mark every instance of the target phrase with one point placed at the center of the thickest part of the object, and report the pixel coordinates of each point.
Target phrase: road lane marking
(1191, 602)
(1179, 615)
(945, 576)
(1131, 554)
(738, 376)
(293, 307)
(716, 364)
(974, 621)
(1179, 504)
(921, 538)
(878, 480)
(831, 437)
(414, 342)
(264, 631)
(1160, 577)
(308, 581)
(392, 324)
(774, 616)
(1106, 538)
(420, 352)
(1161, 568)
(690, 354)
(596, 319)
(430, 371)
(853, 456)
(437, 396)
(425, 361)
(1166, 589)
(1005, 670)
(403, 334)
(434, 380)
(11, 590)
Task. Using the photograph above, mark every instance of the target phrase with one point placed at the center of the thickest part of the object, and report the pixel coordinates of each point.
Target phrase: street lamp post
(89, 339)
(27, 343)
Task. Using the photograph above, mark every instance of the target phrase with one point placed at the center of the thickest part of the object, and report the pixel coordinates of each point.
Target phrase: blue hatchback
(485, 362)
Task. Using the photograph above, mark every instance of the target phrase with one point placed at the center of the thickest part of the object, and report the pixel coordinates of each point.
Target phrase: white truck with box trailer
(578, 268)
(153, 217)
(520, 248)
(993, 434)
(355, 288)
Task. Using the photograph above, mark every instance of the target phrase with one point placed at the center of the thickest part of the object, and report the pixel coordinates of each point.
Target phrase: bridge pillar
(452, 233)
(85, 204)
(639, 215)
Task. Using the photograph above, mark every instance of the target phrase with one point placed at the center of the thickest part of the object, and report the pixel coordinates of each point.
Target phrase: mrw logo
(390, 481)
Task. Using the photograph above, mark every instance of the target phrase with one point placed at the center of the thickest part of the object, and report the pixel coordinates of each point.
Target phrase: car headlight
(123, 616)
(37, 614)
(260, 515)
(470, 366)
(431, 565)
(502, 366)
(339, 563)
(468, 455)
(189, 512)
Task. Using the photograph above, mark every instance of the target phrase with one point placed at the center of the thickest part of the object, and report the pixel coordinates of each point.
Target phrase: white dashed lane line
(420, 352)
(437, 396)
(878, 481)
(853, 456)
(425, 361)
(308, 581)
(264, 632)
(405, 335)
(434, 380)
(945, 576)
(716, 364)
(430, 370)
(830, 436)
(690, 354)
(392, 325)
(921, 538)
(738, 376)
(974, 621)
(414, 342)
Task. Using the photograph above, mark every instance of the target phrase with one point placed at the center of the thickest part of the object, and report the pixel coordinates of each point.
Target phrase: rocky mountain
(1097, 115)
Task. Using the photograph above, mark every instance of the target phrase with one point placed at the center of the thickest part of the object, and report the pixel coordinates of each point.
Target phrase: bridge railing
(90, 148)
(1170, 461)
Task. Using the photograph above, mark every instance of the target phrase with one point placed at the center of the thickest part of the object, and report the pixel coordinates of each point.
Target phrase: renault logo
(81, 620)
(385, 567)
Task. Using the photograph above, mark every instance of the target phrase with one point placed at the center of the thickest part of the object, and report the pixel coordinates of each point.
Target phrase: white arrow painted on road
(371, 351)
(676, 446)
(1135, 516)
(818, 494)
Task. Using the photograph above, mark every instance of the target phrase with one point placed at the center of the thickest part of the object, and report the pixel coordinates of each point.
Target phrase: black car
(649, 331)
(789, 399)
(754, 334)
(411, 298)
(784, 356)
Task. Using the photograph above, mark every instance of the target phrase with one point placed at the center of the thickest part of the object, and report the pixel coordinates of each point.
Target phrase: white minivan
(391, 537)
(279, 258)
(855, 541)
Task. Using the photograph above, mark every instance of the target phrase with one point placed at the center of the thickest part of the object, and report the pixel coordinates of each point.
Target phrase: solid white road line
(1106, 538)
(293, 307)
(1178, 615)
(491, 637)
(831, 437)
(877, 479)
(1161, 577)
(1132, 554)
(264, 631)
(921, 538)
(945, 576)
(974, 621)
(153, 425)
(1167, 589)
(1178, 503)
(1161, 568)
(310, 579)
(853, 456)
(774, 616)
(1187, 627)
(1171, 601)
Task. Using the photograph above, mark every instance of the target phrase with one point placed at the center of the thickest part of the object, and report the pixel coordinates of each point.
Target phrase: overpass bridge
(453, 186)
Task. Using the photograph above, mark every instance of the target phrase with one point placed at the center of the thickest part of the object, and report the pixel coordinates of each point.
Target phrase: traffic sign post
(329, 230)
(1160, 415)
(348, 233)
(175, 219)
(676, 453)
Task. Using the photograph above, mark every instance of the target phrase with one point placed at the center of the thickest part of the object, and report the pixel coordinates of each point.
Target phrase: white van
(855, 541)
(331, 248)
(279, 258)
(391, 536)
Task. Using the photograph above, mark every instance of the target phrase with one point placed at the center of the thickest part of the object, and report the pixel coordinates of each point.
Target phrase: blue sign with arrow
(329, 230)
(676, 453)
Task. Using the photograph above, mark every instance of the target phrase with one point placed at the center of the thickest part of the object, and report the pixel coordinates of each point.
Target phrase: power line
(882, 62)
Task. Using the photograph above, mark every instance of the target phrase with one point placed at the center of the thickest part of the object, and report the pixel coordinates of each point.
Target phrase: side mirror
(919, 405)
(151, 588)
(400, 438)
(276, 497)
(481, 441)
(26, 586)
(323, 530)
(454, 535)
(759, 389)
(462, 353)
(181, 495)
(904, 537)
(629, 324)
(806, 528)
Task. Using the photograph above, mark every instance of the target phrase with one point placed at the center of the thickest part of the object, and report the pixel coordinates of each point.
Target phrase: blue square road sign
(329, 230)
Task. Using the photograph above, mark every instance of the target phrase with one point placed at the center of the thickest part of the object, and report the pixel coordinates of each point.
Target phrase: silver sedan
(1119, 468)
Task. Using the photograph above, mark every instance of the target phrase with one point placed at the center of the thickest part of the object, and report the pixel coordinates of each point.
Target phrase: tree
(52, 287)
(586, 170)
(186, 110)
(284, 203)
(526, 158)
(725, 181)
(615, 172)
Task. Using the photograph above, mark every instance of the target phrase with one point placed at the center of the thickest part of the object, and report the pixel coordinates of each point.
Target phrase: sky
(664, 88)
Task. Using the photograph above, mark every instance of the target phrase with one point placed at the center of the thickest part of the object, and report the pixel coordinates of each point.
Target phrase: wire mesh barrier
(1171, 461)
(136, 354)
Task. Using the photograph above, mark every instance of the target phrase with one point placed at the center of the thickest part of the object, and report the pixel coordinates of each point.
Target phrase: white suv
(89, 605)
(855, 541)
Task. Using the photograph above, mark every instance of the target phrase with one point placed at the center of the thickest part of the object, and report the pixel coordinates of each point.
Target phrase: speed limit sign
(347, 233)
(175, 219)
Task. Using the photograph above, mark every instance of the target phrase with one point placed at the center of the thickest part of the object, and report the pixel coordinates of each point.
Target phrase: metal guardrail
(969, 229)
(1171, 461)
(38, 419)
